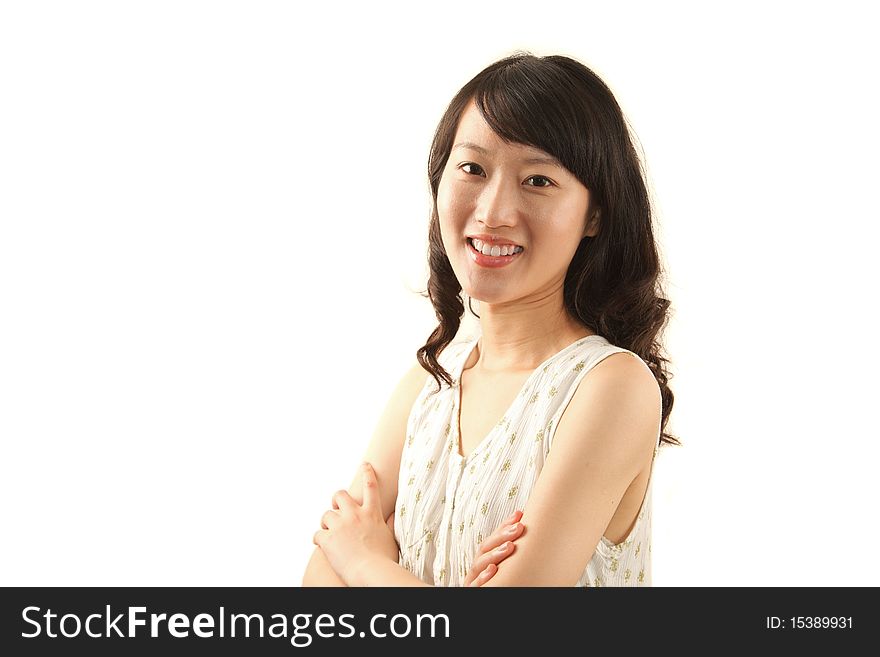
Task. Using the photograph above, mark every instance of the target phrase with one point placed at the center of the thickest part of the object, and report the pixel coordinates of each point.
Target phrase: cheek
(452, 214)
(453, 201)
(444, 203)
(445, 216)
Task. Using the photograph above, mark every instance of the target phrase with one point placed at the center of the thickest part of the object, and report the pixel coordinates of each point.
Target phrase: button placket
(455, 471)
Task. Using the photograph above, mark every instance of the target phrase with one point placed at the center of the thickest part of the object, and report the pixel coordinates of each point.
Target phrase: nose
(498, 203)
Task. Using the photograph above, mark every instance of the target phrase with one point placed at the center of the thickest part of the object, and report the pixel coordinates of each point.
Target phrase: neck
(521, 337)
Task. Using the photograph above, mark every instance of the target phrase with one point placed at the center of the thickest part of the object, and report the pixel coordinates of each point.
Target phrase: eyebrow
(540, 159)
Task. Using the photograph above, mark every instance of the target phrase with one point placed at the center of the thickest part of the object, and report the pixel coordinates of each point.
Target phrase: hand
(490, 554)
(354, 534)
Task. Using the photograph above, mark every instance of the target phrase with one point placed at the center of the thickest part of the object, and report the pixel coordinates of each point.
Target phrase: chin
(486, 297)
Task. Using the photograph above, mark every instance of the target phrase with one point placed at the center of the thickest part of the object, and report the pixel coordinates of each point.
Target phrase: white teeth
(486, 249)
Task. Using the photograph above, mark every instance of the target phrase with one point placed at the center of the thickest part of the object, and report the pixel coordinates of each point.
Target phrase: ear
(593, 224)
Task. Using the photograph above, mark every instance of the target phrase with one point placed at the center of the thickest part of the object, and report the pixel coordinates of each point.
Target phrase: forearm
(319, 572)
(384, 572)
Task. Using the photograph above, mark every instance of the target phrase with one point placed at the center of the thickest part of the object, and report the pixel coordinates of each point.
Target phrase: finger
(495, 556)
(500, 535)
(516, 516)
(329, 519)
(485, 575)
(512, 519)
(342, 500)
(371, 490)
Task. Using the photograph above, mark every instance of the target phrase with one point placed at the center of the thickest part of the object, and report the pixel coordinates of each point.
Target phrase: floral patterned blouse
(447, 504)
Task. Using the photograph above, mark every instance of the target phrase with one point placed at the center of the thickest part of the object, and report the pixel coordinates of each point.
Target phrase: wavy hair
(613, 284)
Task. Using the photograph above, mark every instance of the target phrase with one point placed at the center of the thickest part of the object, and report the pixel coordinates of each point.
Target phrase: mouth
(514, 252)
(494, 251)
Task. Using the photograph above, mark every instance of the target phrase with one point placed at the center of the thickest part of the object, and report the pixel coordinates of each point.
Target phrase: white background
(213, 225)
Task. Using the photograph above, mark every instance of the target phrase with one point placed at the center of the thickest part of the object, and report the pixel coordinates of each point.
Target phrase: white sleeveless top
(446, 503)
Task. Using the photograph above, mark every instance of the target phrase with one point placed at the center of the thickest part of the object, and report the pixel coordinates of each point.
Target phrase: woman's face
(492, 190)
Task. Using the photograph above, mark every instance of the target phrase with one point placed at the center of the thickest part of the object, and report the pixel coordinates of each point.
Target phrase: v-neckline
(456, 398)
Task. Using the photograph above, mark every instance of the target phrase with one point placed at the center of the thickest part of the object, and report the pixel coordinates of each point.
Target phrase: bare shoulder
(411, 384)
(625, 368)
(402, 398)
(620, 395)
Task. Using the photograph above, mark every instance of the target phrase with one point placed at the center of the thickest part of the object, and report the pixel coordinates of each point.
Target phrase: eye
(470, 164)
(545, 179)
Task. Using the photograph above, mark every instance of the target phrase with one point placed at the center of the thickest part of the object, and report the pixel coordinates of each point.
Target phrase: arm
(607, 435)
(385, 573)
(383, 453)
(319, 572)
(355, 548)
(605, 438)
(495, 549)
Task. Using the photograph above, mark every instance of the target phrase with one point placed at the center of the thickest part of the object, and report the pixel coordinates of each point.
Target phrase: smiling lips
(491, 239)
(494, 248)
(497, 256)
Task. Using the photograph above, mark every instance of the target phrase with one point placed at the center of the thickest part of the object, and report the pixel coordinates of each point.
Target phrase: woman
(541, 213)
